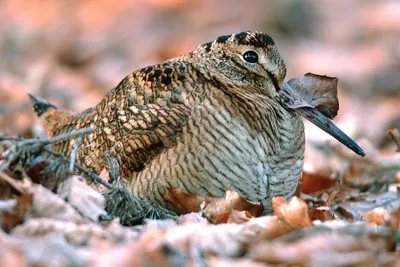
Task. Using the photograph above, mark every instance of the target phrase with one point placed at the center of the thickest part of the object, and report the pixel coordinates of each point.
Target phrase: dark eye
(250, 56)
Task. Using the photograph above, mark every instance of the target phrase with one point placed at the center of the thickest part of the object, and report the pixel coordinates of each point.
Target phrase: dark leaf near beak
(314, 91)
(315, 98)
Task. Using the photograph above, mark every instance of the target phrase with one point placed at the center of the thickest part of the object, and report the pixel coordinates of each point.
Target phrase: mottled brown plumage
(205, 122)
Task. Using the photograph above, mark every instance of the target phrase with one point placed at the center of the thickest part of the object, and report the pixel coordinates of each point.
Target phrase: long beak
(317, 118)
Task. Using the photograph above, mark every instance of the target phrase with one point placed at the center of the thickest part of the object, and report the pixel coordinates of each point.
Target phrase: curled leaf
(314, 91)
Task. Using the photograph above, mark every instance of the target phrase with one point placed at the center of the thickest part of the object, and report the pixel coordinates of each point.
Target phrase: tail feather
(40, 106)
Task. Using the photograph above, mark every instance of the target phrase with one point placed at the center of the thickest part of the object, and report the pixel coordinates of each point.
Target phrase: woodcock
(205, 122)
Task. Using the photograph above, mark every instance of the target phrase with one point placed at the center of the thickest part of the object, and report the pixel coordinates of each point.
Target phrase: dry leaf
(377, 216)
(395, 135)
(15, 214)
(222, 262)
(351, 208)
(294, 212)
(314, 91)
(313, 182)
(325, 249)
(394, 220)
(76, 234)
(219, 209)
(48, 205)
(49, 250)
(181, 202)
(83, 197)
(239, 216)
(221, 239)
(320, 213)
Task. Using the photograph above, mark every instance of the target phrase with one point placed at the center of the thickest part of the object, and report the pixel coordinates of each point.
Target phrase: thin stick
(11, 138)
(56, 139)
(80, 168)
(73, 154)
(71, 166)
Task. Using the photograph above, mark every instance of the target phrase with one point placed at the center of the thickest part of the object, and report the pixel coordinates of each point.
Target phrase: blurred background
(72, 52)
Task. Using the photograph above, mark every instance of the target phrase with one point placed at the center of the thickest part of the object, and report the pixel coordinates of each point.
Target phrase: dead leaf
(76, 234)
(314, 91)
(294, 212)
(320, 213)
(49, 250)
(324, 212)
(222, 262)
(395, 135)
(181, 202)
(394, 220)
(48, 205)
(239, 216)
(218, 210)
(313, 182)
(326, 248)
(83, 197)
(350, 208)
(377, 216)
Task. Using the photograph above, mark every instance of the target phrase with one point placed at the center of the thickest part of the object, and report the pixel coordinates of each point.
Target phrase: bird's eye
(250, 56)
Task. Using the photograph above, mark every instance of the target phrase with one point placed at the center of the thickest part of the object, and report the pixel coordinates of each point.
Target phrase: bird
(205, 122)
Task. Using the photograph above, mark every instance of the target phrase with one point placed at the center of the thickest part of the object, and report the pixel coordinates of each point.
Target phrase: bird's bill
(317, 118)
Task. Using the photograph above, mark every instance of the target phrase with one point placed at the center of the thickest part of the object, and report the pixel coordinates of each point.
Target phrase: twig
(56, 139)
(80, 168)
(72, 164)
(395, 135)
(11, 138)
(11, 182)
(73, 154)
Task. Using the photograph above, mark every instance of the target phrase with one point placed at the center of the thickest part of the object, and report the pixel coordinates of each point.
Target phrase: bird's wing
(136, 134)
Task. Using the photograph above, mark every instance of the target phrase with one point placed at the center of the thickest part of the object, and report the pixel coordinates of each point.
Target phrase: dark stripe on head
(254, 39)
(223, 39)
(207, 46)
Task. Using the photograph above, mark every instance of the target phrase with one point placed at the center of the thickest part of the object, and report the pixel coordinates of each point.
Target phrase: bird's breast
(219, 150)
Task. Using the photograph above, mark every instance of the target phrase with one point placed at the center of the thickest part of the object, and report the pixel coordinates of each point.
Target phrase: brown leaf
(181, 202)
(394, 220)
(77, 234)
(377, 216)
(313, 182)
(294, 212)
(219, 209)
(16, 213)
(324, 212)
(320, 213)
(222, 262)
(327, 248)
(395, 135)
(314, 91)
(239, 216)
(49, 250)
(83, 197)
(350, 208)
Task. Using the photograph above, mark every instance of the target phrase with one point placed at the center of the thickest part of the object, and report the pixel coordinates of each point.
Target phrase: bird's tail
(40, 106)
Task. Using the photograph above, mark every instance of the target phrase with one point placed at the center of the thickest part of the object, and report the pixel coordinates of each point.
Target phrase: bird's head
(247, 60)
